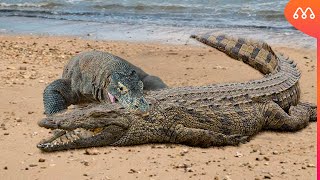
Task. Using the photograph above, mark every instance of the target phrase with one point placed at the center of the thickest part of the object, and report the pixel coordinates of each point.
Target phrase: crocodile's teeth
(65, 138)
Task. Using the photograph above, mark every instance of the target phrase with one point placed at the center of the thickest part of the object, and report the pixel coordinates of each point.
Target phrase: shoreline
(143, 33)
(187, 42)
(29, 63)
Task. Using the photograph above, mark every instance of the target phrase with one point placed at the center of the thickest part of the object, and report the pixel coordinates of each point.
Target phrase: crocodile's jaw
(82, 138)
(78, 138)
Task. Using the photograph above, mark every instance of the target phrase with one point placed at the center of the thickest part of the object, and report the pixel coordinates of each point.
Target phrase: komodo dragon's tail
(258, 55)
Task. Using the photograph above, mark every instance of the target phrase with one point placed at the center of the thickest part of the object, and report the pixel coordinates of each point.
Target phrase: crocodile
(212, 115)
(97, 76)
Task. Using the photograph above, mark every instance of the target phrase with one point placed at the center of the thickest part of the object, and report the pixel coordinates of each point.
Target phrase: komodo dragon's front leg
(58, 96)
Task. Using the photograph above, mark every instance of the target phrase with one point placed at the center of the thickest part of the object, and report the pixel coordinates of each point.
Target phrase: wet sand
(29, 63)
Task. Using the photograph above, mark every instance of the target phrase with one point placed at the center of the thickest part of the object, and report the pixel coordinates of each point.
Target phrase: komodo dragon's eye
(122, 88)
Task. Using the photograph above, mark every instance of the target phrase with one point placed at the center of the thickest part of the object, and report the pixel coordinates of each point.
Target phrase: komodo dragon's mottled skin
(221, 114)
(98, 76)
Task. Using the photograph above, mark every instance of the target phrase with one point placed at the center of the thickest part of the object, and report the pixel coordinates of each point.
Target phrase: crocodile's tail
(258, 55)
(280, 82)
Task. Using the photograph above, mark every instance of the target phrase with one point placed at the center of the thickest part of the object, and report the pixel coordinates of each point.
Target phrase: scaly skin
(96, 76)
(228, 124)
(214, 115)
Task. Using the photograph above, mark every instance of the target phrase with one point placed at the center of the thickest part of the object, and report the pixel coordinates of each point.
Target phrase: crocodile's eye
(122, 88)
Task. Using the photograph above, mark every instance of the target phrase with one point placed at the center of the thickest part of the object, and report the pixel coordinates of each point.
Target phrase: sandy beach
(29, 63)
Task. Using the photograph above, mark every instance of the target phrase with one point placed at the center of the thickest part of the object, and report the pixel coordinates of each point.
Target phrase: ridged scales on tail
(213, 115)
(98, 76)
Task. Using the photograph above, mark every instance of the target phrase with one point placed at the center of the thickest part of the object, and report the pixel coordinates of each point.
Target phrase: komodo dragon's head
(127, 88)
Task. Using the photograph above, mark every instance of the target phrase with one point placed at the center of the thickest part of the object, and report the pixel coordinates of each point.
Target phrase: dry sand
(28, 64)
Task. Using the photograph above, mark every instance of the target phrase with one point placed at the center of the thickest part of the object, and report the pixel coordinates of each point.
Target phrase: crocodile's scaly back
(280, 82)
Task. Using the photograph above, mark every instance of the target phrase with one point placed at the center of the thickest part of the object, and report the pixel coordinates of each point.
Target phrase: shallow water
(157, 20)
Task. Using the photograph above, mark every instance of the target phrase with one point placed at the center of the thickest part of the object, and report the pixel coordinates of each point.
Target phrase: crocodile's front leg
(205, 138)
(57, 96)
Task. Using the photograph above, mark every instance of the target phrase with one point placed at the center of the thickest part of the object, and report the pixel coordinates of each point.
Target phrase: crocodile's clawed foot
(311, 108)
(237, 139)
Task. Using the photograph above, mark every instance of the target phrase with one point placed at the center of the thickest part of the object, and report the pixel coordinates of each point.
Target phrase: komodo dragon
(99, 76)
(214, 115)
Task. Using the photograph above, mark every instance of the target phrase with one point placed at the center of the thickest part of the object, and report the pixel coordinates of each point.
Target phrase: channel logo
(304, 14)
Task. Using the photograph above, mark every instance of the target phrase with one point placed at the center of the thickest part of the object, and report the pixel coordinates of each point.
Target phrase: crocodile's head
(127, 88)
(88, 127)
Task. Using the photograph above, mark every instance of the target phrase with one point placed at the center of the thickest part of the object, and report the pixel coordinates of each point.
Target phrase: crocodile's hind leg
(297, 118)
(206, 138)
(57, 96)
